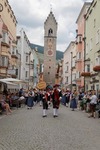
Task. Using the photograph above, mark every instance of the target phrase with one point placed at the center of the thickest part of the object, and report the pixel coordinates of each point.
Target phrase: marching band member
(45, 103)
(56, 97)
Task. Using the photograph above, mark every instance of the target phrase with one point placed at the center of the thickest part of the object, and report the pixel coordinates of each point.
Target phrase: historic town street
(28, 130)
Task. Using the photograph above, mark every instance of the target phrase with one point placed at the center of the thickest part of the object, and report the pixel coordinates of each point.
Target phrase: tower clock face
(50, 53)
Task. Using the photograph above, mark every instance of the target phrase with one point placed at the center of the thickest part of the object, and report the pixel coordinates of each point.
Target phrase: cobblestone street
(27, 130)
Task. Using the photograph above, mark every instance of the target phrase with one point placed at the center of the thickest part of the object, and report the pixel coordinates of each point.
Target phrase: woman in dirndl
(30, 99)
(73, 103)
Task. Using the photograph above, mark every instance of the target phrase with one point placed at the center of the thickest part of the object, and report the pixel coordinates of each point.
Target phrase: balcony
(14, 56)
(5, 44)
(86, 74)
(3, 67)
(96, 68)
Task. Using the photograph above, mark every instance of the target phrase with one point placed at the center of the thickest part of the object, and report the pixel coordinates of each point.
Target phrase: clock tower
(50, 38)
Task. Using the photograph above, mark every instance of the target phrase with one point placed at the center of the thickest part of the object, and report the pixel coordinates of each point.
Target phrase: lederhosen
(44, 100)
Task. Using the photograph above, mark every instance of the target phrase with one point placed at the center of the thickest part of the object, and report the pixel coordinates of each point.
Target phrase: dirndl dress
(73, 103)
(30, 101)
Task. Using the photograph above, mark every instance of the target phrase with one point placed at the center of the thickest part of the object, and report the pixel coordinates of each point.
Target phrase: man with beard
(56, 97)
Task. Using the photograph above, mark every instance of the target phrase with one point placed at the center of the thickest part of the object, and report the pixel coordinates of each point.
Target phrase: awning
(8, 83)
(12, 80)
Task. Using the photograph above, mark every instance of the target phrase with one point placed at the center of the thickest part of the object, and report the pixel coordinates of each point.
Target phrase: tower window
(50, 32)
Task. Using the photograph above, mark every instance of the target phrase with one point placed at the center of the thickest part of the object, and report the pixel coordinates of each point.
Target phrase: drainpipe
(71, 69)
(29, 67)
(19, 73)
(84, 46)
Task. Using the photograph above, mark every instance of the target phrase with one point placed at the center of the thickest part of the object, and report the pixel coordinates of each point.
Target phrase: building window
(50, 32)
(48, 72)
(91, 44)
(97, 61)
(97, 88)
(26, 74)
(41, 68)
(78, 74)
(8, 10)
(73, 63)
(78, 55)
(4, 61)
(80, 39)
(94, 23)
(13, 50)
(97, 37)
(49, 67)
(5, 37)
(88, 68)
(16, 71)
(5, 4)
(11, 15)
(26, 58)
(66, 80)
(67, 68)
(86, 48)
(73, 76)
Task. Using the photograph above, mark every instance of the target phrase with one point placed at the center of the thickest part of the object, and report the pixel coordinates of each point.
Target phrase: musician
(45, 103)
(56, 97)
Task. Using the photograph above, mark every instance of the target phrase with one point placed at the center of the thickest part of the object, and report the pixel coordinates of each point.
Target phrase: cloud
(31, 15)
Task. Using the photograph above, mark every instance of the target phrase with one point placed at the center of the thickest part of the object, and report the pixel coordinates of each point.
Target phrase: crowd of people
(85, 101)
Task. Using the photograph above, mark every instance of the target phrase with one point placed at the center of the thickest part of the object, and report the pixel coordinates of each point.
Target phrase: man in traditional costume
(56, 97)
(45, 103)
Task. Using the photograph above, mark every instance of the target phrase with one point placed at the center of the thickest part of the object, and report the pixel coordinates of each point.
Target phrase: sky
(31, 15)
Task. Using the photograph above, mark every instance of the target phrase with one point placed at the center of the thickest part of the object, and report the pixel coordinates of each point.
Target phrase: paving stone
(28, 130)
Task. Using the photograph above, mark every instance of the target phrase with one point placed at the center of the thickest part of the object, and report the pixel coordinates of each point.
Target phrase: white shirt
(93, 99)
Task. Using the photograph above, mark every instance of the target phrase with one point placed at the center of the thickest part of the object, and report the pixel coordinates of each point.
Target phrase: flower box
(86, 74)
(96, 68)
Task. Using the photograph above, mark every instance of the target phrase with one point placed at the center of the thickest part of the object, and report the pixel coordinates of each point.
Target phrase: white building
(24, 50)
(69, 75)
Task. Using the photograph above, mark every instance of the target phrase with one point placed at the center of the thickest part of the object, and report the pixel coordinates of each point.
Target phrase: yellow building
(8, 55)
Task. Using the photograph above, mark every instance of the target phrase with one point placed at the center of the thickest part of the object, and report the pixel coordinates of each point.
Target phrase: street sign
(41, 85)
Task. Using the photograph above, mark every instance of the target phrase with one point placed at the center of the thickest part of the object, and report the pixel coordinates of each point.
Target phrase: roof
(85, 5)
(59, 54)
(50, 15)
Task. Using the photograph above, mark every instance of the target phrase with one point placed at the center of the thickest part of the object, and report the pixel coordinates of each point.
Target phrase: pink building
(80, 46)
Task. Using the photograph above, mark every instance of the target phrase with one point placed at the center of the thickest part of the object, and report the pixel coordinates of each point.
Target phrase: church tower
(50, 38)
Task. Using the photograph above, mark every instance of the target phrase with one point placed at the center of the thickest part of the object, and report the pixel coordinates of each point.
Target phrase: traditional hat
(56, 85)
(49, 87)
